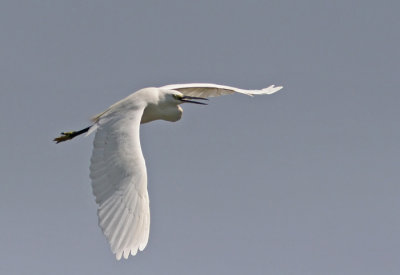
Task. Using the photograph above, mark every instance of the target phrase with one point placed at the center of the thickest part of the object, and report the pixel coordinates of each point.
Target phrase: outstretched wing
(212, 90)
(119, 182)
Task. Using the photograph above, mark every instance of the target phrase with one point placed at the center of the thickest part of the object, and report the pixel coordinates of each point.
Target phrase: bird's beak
(187, 99)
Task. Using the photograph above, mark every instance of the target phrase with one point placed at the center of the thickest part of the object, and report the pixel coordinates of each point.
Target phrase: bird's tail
(70, 135)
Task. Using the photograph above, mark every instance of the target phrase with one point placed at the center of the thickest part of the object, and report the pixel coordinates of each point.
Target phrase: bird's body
(118, 170)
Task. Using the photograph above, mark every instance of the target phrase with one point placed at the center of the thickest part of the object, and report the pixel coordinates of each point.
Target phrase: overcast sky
(305, 181)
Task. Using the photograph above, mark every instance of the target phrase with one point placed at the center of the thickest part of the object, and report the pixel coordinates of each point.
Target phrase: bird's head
(177, 98)
(165, 104)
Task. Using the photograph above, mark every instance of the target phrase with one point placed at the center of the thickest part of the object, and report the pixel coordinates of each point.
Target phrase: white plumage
(212, 90)
(118, 170)
(119, 183)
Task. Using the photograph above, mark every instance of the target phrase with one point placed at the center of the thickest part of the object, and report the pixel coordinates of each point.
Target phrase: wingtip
(125, 253)
(272, 89)
(118, 255)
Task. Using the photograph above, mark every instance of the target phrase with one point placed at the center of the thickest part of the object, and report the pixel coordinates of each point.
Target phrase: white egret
(118, 170)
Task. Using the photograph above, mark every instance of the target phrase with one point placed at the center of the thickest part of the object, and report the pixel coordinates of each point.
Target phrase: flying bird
(117, 166)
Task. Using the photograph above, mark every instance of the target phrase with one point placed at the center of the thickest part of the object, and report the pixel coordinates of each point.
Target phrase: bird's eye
(177, 96)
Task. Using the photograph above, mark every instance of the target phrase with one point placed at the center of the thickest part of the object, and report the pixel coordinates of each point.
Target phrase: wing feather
(119, 182)
(212, 90)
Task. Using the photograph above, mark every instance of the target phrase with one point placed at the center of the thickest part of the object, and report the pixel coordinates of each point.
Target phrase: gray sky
(305, 181)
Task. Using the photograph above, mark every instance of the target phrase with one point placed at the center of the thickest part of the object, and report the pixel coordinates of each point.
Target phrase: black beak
(187, 99)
